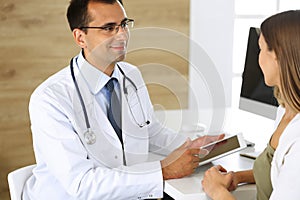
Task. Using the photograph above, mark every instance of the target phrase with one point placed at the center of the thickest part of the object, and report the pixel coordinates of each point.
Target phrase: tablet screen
(222, 148)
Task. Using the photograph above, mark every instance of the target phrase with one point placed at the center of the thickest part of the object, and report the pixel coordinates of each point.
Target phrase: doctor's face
(268, 63)
(108, 44)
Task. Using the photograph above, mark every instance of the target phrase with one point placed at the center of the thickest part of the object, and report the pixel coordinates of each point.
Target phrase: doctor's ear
(79, 37)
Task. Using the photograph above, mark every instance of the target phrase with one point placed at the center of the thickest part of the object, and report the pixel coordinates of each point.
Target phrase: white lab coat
(69, 168)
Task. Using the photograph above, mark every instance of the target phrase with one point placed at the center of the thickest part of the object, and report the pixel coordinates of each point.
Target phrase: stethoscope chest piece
(90, 137)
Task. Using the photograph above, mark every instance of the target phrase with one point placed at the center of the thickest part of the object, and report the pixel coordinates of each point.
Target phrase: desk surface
(255, 128)
(189, 188)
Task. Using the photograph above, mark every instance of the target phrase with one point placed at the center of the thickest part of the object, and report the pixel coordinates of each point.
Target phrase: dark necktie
(114, 112)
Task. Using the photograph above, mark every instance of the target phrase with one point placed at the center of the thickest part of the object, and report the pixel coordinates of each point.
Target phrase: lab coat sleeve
(61, 156)
(287, 181)
(164, 140)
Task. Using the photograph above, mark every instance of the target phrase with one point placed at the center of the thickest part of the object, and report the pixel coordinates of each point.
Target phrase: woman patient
(276, 170)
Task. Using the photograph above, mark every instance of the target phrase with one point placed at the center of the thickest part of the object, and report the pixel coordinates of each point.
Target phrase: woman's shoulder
(291, 134)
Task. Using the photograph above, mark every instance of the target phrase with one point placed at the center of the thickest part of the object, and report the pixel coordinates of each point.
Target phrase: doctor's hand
(181, 162)
(204, 140)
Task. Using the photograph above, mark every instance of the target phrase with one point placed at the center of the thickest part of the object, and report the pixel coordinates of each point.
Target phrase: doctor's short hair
(282, 35)
(77, 13)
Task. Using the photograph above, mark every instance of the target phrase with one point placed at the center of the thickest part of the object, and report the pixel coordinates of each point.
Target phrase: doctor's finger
(196, 159)
(195, 151)
(186, 144)
(195, 165)
(203, 153)
(212, 138)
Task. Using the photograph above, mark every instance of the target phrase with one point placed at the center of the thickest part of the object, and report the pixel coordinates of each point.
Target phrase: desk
(189, 188)
(255, 129)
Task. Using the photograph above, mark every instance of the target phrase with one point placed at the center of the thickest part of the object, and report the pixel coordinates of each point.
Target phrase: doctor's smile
(119, 48)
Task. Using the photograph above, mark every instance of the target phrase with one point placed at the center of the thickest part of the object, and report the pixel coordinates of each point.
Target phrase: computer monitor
(256, 96)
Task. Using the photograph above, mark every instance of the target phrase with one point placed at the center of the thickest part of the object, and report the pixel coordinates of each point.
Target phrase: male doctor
(93, 123)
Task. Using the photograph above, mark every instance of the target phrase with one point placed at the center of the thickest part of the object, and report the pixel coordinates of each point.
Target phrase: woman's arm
(241, 177)
(217, 182)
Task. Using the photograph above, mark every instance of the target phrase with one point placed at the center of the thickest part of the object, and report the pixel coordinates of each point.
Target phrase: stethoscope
(89, 135)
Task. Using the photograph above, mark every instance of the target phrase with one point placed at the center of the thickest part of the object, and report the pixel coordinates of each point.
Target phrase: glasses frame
(116, 27)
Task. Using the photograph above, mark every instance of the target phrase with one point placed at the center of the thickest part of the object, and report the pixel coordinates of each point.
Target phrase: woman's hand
(216, 182)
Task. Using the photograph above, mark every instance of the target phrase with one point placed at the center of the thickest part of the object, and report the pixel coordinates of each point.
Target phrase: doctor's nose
(122, 34)
(122, 30)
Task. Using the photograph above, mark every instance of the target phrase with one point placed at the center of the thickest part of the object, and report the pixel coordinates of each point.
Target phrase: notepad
(252, 155)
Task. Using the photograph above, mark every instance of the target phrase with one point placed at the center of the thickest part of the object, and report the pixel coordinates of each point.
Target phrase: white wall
(211, 33)
(211, 26)
(211, 45)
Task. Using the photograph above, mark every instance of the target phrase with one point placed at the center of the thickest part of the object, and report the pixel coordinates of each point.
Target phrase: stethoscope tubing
(88, 126)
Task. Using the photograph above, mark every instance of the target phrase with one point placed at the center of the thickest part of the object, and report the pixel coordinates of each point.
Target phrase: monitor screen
(256, 96)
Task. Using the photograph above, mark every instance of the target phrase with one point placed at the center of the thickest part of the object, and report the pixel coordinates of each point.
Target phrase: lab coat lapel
(107, 149)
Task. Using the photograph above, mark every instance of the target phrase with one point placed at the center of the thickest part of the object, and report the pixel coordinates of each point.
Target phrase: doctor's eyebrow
(114, 23)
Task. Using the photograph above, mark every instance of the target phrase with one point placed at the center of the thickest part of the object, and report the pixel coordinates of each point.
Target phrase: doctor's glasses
(112, 28)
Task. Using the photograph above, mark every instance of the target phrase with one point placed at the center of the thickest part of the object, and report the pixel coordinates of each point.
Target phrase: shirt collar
(94, 78)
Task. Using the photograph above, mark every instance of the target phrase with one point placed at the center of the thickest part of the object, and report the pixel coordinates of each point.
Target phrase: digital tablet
(222, 148)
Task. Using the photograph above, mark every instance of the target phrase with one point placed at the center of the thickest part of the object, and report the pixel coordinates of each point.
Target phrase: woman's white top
(285, 169)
